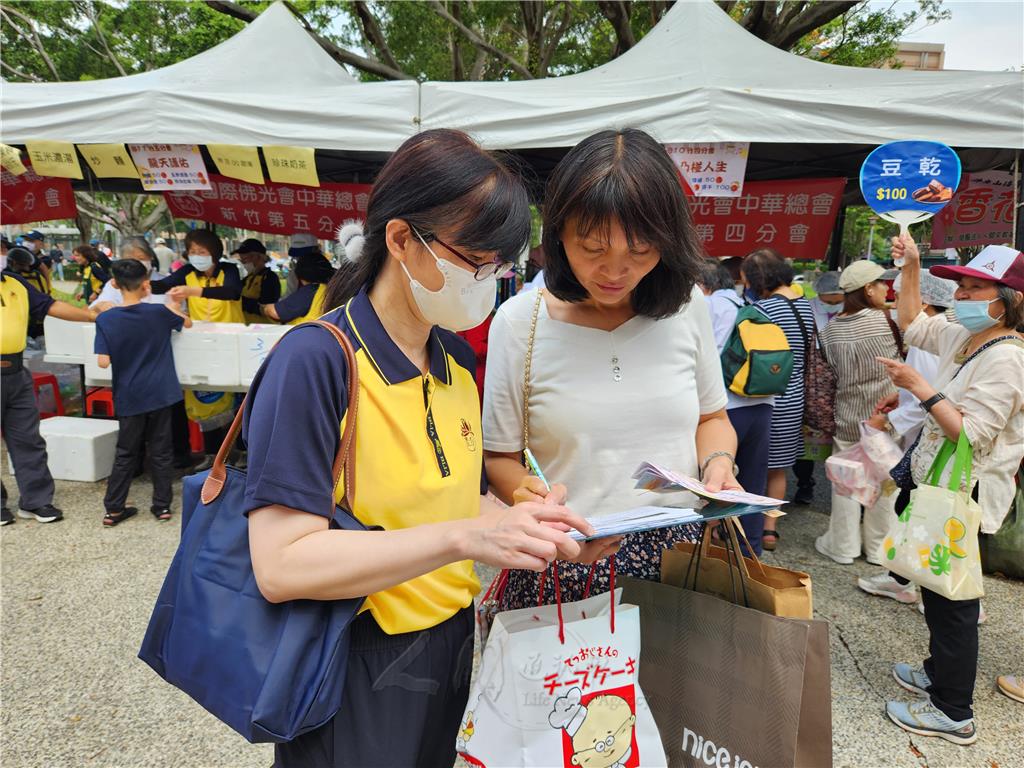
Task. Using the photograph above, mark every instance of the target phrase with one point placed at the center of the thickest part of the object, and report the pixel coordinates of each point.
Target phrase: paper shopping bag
(731, 686)
(548, 698)
(708, 568)
(934, 541)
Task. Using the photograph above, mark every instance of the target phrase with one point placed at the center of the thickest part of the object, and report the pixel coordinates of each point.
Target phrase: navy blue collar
(389, 361)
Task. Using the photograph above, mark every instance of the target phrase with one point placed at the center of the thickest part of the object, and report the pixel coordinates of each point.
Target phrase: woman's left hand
(718, 475)
(902, 375)
(598, 549)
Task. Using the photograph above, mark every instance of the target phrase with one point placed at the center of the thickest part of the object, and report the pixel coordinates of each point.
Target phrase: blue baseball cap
(35, 234)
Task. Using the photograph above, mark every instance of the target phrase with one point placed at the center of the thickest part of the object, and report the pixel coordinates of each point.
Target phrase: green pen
(532, 462)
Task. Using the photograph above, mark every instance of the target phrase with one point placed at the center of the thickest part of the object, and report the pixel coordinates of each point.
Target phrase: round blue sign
(910, 176)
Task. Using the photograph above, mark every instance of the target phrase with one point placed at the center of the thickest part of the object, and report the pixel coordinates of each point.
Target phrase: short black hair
(314, 269)
(624, 176)
(20, 258)
(715, 276)
(129, 274)
(765, 270)
(206, 239)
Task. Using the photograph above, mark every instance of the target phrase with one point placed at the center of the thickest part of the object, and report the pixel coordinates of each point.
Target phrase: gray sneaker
(925, 719)
(914, 680)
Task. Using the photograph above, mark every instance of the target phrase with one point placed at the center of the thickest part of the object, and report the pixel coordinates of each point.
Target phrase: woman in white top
(979, 390)
(136, 248)
(624, 364)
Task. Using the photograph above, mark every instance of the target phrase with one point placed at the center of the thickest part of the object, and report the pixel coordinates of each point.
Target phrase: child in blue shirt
(135, 341)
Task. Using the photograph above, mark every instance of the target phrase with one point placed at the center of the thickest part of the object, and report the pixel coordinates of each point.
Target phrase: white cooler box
(254, 343)
(94, 375)
(207, 354)
(79, 449)
(65, 339)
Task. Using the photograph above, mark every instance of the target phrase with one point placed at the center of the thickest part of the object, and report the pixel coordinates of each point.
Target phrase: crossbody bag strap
(527, 366)
(982, 348)
(344, 459)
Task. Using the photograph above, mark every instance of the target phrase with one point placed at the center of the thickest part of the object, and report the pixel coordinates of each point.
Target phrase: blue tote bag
(270, 671)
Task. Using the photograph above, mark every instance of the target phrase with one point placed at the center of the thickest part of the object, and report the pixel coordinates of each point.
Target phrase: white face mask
(3, 261)
(201, 262)
(463, 302)
(243, 269)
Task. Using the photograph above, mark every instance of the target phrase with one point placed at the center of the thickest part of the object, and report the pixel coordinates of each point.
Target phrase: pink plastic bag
(860, 471)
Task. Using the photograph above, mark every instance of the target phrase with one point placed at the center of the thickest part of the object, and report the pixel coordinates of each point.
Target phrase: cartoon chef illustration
(601, 731)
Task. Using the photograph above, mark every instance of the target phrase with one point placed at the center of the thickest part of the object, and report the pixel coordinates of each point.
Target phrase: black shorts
(404, 700)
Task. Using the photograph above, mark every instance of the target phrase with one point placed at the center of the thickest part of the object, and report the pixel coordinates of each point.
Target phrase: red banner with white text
(980, 213)
(273, 208)
(795, 217)
(31, 197)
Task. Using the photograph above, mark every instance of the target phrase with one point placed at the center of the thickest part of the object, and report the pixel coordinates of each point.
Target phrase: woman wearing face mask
(829, 300)
(212, 289)
(852, 344)
(260, 284)
(979, 390)
(138, 249)
(623, 362)
(94, 275)
(443, 218)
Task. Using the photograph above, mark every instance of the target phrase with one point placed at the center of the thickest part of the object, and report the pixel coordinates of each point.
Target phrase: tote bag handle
(344, 459)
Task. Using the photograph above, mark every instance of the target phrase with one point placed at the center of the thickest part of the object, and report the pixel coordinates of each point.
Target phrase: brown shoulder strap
(345, 458)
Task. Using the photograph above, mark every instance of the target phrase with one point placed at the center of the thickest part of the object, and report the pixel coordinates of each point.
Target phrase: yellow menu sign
(10, 158)
(109, 161)
(54, 158)
(237, 162)
(292, 165)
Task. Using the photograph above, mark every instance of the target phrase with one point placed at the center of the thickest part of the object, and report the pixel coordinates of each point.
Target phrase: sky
(982, 34)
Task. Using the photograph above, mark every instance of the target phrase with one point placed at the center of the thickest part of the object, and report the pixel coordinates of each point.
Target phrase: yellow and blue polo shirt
(419, 454)
(20, 302)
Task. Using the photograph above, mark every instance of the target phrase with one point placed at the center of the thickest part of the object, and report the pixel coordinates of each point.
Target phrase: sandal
(162, 515)
(769, 546)
(113, 518)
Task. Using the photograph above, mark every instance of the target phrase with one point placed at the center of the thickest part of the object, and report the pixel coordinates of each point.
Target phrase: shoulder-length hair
(766, 270)
(626, 177)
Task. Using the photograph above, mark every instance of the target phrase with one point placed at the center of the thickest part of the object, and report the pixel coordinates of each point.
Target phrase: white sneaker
(834, 558)
(884, 585)
(982, 616)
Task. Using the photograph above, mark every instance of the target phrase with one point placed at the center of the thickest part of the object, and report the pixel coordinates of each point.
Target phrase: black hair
(1013, 306)
(314, 269)
(129, 274)
(626, 177)
(733, 264)
(205, 239)
(440, 179)
(20, 259)
(766, 270)
(715, 276)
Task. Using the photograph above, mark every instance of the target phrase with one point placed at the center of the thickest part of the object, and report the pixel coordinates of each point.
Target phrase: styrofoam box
(79, 449)
(254, 344)
(207, 354)
(65, 338)
(94, 375)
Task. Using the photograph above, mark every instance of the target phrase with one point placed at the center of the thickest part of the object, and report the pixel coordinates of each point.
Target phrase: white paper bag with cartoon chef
(542, 702)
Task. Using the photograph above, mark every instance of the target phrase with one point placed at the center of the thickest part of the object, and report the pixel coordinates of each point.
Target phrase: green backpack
(757, 360)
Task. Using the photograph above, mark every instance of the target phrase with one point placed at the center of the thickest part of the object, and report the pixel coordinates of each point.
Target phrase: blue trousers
(753, 425)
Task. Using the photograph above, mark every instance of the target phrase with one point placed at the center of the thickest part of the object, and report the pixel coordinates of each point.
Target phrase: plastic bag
(861, 472)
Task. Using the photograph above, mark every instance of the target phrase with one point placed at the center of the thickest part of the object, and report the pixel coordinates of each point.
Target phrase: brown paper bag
(714, 570)
(732, 686)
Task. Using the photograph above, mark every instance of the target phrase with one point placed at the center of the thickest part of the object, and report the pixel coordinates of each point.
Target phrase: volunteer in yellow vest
(20, 303)
(307, 302)
(213, 291)
(94, 276)
(444, 219)
(261, 284)
(21, 263)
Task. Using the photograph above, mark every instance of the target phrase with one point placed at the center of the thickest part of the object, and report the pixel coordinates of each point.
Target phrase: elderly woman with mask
(979, 390)
(137, 249)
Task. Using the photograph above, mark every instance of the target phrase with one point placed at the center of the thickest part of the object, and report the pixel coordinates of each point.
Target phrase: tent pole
(1018, 236)
(836, 251)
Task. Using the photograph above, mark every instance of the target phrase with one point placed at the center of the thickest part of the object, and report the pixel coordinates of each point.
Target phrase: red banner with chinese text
(795, 217)
(31, 197)
(273, 208)
(980, 213)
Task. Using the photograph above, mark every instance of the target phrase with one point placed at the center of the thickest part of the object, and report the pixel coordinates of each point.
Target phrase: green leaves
(939, 560)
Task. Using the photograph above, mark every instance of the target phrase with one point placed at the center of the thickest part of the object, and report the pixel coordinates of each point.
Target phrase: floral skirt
(639, 557)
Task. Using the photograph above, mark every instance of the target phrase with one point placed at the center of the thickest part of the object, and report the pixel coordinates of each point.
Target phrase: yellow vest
(13, 316)
(212, 310)
(94, 283)
(316, 306)
(252, 287)
(38, 280)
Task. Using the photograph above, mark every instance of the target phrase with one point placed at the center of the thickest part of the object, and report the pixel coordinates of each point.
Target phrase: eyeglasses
(480, 271)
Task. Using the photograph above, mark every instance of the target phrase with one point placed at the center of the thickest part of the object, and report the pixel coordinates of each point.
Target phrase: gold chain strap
(526, 371)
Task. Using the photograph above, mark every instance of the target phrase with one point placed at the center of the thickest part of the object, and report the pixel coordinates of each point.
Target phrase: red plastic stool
(102, 397)
(40, 380)
(195, 437)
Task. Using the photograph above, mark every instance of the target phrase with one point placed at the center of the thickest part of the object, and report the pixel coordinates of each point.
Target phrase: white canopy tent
(699, 76)
(269, 84)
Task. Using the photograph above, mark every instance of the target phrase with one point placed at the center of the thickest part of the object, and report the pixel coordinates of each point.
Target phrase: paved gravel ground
(76, 599)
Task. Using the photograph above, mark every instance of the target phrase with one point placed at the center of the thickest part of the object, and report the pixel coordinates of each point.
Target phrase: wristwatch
(931, 401)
